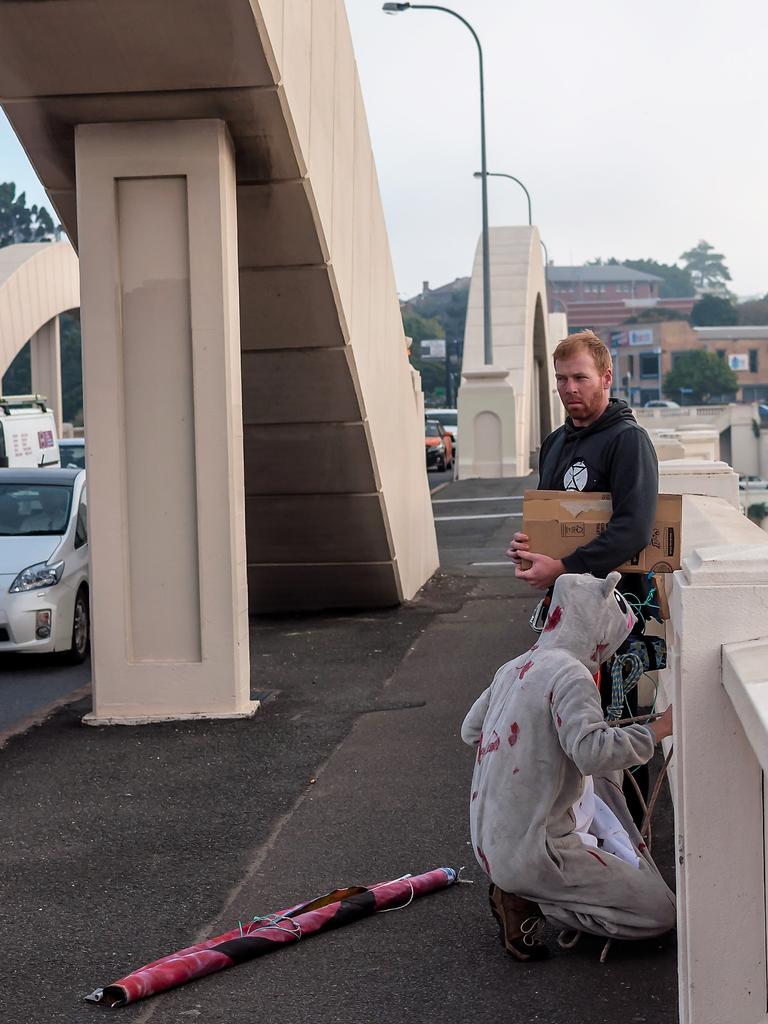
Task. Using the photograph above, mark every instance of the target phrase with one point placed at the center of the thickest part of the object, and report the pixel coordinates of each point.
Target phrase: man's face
(583, 390)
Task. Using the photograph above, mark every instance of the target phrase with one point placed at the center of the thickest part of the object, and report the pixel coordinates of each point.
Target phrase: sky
(637, 128)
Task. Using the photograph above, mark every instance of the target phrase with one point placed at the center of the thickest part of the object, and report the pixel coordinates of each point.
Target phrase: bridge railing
(717, 678)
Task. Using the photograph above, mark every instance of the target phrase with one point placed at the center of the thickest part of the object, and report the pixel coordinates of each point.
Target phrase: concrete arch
(522, 347)
(38, 281)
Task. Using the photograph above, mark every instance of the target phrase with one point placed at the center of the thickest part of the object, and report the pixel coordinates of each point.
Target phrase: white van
(27, 432)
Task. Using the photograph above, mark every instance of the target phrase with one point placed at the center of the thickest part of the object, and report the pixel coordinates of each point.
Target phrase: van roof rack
(20, 401)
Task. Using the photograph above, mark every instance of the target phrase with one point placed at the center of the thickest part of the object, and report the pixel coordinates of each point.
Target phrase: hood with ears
(587, 617)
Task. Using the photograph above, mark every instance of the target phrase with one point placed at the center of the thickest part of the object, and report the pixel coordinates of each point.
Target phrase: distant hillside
(436, 313)
(446, 304)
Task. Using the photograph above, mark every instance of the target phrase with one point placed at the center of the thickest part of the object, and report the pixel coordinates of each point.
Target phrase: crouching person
(549, 823)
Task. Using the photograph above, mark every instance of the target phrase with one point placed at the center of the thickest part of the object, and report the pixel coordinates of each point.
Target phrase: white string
(275, 924)
(405, 878)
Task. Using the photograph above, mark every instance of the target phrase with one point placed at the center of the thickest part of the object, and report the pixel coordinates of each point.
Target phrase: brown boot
(519, 920)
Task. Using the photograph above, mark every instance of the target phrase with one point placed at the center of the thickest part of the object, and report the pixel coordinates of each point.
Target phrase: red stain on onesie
(514, 732)
(484, 860)
(528, 665)
(597, 654)
(489, 748)
(553, 619)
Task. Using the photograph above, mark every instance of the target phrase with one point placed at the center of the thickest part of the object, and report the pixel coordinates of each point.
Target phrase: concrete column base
(487, 426)
(191, 716)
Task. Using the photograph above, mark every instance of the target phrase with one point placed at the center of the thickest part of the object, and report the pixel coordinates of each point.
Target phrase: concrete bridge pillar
(45, 352)
(486, 407)
(161, 355)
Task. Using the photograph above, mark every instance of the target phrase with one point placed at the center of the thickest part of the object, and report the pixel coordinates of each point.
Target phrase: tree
(676, 281)
(419, 328)
(655, 315)
(706, 266)
(714, 311)
(20, 223)
(704, 373)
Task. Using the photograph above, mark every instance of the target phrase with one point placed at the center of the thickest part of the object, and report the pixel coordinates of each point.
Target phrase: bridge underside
(316, 291)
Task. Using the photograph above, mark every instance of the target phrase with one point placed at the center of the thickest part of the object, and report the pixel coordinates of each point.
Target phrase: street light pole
(397, 8)
(498, 174)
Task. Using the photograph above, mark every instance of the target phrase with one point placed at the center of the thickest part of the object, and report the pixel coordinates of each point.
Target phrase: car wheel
(81, 630)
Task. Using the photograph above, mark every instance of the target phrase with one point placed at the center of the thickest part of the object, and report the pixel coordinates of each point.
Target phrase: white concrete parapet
(718, 606)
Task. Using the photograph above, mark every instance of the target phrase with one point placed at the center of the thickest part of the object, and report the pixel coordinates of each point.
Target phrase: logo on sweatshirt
(576, 476)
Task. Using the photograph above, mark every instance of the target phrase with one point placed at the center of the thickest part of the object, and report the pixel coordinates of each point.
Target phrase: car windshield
(432, 430)
(72, 456)
(28, 510)
(449, 419)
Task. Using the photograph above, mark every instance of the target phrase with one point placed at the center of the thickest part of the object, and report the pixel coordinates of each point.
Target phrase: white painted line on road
(460, 501)
(495, 515)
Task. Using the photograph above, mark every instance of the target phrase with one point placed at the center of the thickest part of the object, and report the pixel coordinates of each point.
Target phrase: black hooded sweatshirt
(612, 454)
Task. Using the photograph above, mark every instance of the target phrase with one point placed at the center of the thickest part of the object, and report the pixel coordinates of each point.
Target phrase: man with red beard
(600, 447)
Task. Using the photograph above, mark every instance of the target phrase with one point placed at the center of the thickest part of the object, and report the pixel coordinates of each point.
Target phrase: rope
(656, 791)
(621, 683)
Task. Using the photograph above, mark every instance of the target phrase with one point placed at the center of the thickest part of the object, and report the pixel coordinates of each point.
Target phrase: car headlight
(35, 577)
(439, 447)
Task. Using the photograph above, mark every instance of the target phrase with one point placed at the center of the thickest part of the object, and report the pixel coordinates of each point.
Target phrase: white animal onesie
(539, 730)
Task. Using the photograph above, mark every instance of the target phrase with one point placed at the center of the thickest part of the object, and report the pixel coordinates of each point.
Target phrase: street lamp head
(477, 174)
(394, 8)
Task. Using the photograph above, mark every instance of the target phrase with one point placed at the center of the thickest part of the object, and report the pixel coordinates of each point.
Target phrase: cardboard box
(558, 522)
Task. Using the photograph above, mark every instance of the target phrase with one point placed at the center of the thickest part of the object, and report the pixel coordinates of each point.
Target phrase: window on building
(631, 365)
(649, 364)
(753, 360)
(720, 353)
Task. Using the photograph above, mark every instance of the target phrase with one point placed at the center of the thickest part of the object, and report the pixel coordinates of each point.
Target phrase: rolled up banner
(266, 934)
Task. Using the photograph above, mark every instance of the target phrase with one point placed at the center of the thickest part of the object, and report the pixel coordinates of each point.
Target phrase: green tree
(706, 266)
(420, 328)
(20, 223)
(432, 372)
(704, 373)
(714, 311)
(676, 281)
(655, 315)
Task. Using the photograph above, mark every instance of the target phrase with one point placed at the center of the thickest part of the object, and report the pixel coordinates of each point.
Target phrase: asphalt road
(121, 844)
(33, 685)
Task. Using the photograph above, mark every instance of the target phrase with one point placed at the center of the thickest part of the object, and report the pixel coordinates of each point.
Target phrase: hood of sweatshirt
(587, 617)
(617, 410)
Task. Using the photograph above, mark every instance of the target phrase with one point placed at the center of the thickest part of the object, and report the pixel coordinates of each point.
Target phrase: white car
(44, 604)
(754, 483)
